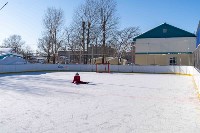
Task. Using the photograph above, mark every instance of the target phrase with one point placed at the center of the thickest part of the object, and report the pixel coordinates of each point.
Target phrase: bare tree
(95, 20)
(15, 42)
(53, 24)
(27, 52)
(45, 46)
(122, 40)
(85, 22)
(71, 42)
(108, 21)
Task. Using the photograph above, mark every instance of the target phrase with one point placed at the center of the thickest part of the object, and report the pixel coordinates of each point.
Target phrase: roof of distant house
(6, 50)
(165, 31)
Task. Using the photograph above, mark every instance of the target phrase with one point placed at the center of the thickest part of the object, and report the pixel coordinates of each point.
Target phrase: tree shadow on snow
(22, 73)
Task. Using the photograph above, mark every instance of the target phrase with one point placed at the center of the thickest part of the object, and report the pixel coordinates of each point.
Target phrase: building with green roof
(164, 45)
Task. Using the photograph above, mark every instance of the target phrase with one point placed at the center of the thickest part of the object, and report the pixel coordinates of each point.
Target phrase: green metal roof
(165, 31)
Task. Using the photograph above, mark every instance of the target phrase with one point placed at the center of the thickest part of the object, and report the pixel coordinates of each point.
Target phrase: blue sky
(24, 17)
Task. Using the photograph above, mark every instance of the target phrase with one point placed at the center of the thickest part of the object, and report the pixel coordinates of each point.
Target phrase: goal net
(103, 68)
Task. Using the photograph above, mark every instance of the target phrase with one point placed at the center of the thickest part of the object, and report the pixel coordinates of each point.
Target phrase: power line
(3, 6)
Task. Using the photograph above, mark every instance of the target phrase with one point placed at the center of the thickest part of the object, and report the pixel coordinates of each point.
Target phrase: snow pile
(11, 59)
(8, 57)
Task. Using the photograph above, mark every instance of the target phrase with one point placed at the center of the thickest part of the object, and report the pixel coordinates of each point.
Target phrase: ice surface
(112, 103)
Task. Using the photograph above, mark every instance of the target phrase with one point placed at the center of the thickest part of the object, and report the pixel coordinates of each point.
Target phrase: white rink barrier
(190, 70)
(92, 68)
(196, 77)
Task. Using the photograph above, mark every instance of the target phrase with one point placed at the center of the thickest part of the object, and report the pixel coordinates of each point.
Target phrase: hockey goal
(103, 68)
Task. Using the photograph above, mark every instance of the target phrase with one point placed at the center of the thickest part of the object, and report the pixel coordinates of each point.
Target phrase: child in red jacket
(77, 80)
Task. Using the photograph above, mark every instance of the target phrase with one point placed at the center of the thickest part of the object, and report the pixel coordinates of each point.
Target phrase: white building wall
(178, 44)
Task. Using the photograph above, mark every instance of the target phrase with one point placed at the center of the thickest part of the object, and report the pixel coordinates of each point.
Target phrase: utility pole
(69, 58)
(55, 43)
(83, 41)
(88, 40)
(104, 38)
(104, 35)
(133, 52)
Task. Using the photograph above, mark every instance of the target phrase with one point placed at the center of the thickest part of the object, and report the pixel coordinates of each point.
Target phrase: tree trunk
(83, 42)
(88, 41)
(104, 40)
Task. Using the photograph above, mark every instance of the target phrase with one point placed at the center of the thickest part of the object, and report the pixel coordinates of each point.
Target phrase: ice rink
(43, 102)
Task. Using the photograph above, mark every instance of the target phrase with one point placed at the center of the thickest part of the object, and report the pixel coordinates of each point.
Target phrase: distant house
(165, 45)
(10, 52)
(6, 50)
(110, 60)
(92, 53)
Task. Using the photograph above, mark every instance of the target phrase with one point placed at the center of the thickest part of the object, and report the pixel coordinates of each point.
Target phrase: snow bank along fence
(189, 70)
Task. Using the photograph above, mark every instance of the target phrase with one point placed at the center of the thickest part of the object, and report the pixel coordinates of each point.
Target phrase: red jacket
(76, 79)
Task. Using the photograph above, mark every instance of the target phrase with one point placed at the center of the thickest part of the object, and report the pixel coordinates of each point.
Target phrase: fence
(196, 56)
(196, 74)
(92, 68)
(190, 70)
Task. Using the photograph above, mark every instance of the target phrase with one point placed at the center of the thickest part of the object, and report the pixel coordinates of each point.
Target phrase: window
(164, 30)
(172, 61)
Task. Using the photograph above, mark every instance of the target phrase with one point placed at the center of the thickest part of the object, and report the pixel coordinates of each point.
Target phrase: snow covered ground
(43, 102)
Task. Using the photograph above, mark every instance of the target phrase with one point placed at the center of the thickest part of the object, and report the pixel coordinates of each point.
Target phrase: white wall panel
(113, 68)
(180, 44)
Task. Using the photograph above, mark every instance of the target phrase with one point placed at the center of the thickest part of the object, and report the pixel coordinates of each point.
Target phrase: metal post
(188, 57)
(92, 53)
(80, 56)
(132, 52)
(65, 54)
(147, 53)
(83, 41)
(68, 45)
(3, 6)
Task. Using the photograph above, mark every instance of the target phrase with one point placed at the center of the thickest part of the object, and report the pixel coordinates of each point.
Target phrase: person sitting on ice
(77, 80)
